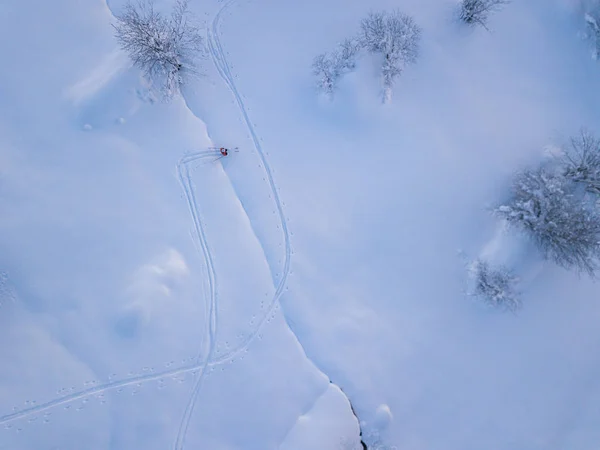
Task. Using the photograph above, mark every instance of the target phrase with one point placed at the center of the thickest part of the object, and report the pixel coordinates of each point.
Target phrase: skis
(235, 149)
(222, 156)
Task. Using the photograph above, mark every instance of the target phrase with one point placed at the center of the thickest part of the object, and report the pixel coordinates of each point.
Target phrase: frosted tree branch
(477, 12)
(164, 48)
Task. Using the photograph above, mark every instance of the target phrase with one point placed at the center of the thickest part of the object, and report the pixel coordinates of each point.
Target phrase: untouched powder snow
(159, 298)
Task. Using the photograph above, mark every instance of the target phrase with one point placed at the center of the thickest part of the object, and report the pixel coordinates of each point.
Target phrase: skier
(224, 151)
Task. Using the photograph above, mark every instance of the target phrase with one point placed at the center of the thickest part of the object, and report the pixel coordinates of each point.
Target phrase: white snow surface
(155, 298)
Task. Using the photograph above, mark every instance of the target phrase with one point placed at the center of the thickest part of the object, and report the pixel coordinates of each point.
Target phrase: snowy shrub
(592, 20)
(345, 55)
(581, 161)
(7, 292)
(327, 76)
(329, 68)
(477, 12)
(495, 285)
(396, 36)
(162, 47)
(561, 223)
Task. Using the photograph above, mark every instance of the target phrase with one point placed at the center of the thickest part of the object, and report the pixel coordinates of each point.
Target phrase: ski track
(218, 55)
(186, 183)
(96, 390)
(220, 62)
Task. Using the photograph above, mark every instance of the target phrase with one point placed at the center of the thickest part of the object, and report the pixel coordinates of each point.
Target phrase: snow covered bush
(581, 161)
(329, 68)
(477, 12)
(394, 35)
(162, 47)
(495, 285)
(562, 224)
(7, 291)
(326, 73)
(592, 20)
(345, 55)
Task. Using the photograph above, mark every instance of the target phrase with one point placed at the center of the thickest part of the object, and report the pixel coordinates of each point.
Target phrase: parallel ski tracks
(220, 61)
(186, 183)
(202, 364)
(222, 66)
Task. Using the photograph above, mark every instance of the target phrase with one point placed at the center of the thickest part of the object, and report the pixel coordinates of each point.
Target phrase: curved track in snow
(186, 183)
(218, 56)
(220, 61)
(183, 172)
(112, 385)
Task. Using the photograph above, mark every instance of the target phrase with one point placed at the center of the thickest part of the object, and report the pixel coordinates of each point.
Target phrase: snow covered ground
(155, 298)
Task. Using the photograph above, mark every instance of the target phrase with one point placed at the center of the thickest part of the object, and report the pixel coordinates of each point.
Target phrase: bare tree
(329, 68)
(495, 285)
(477, 12)
(562, 224)
(581, 161)
(396, 36)
(162, 47)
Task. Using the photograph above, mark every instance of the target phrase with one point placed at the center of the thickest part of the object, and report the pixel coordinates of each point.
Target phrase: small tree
(345, 55)
(327, 76)
(561, 223)
(162, 47)
(330, 68)
(495, 285)
(581, 161)
(477, 12)
(396, 36)
(7, 292)
(592, 20)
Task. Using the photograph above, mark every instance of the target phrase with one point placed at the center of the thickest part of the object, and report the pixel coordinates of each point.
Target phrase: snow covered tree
(477, 12)
(345, 55)
(396, 36)
(162, 47)
(581, 161)
(562, 224)
(592, 20)
(7, 291)
(495, 285)
(325, 71)
(329, 68)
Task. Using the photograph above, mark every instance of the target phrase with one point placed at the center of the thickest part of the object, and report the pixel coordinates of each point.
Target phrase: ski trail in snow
(102, 388)
(220, 62)
(186, 183)
(96, 390)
